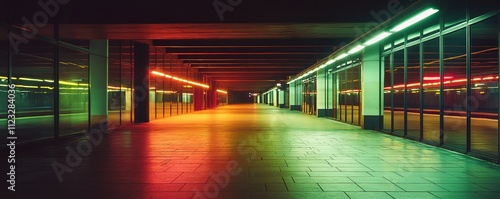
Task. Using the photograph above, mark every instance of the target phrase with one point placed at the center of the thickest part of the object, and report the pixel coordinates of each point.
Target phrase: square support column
(141, 82)
(372, 88)
(98, 70)
(321, 93)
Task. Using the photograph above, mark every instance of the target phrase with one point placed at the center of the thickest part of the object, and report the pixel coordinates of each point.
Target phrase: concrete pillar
(141, 82)
(321, 93)
(372, 88)
(329, 94)
(98, 60)
(198, 98)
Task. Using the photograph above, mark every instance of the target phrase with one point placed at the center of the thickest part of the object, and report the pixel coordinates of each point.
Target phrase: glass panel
(399, 91)
(335, 96)
(387, 94)
(312, 96)
(348, 95)
(455, 125)
(480, 7)
(339, 96)
(356, 95)
(4, 45)
(430, 101)
(74, 92)
(114, 91)
(343, 96)
(413, 92)
(484, 96)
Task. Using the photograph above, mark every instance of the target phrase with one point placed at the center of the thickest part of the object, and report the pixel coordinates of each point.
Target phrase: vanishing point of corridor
(254, 151)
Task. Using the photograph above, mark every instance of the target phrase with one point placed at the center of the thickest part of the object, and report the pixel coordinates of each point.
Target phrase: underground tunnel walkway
(252, 151)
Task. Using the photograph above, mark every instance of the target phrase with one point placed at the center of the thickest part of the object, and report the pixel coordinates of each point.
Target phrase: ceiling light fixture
(415, 19)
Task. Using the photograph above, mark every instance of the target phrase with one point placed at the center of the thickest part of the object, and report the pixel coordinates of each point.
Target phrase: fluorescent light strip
(356, 49)
(377, 38)
(415, 19)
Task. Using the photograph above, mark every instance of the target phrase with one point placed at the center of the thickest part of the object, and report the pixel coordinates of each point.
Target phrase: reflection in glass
(399, 92)
(74, 91)
(430, 86)
(484, 84)
(33, 76)
(356, 91)
(115, 102)
(455, 90)
(387, 94)
(413, 93)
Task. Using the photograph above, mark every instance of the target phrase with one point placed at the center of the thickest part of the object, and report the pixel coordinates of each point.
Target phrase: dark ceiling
(256, 45)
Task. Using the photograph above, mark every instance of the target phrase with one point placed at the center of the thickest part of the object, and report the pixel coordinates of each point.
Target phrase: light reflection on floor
(255, 151)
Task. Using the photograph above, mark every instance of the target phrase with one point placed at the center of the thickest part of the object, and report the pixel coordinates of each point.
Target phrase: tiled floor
(252, 151)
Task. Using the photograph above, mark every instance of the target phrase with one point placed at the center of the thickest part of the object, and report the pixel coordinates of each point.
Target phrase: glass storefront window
(74, 91)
